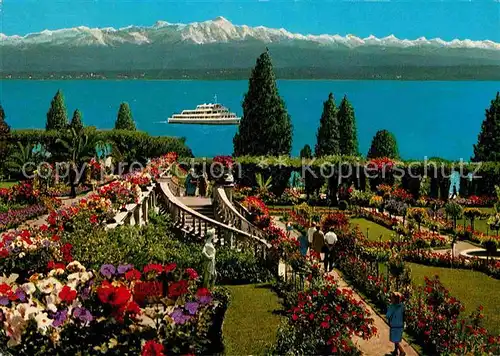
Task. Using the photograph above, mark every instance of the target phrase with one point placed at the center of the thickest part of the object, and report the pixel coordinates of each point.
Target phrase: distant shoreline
(388, 73)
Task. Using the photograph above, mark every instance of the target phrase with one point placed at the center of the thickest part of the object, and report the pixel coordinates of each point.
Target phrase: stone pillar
(145, 210)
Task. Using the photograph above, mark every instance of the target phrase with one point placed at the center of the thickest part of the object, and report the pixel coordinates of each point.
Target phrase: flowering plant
(225, 161)
(324, 320)
(335, 221)
(120, 193)
(258, 211)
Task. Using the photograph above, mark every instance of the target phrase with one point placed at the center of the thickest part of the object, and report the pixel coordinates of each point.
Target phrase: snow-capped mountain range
(220, 30)
(217, 47)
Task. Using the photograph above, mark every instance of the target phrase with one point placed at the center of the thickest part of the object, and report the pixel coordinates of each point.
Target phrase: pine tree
(4, 136)
(266, 127)
(488, 141)
(124, 120)
(384, 145)
(76, 122)
(348, 131)
(328, 131)
(306, 152)
(57, 117)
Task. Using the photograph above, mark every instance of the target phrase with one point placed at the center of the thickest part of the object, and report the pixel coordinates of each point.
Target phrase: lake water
(428, 118)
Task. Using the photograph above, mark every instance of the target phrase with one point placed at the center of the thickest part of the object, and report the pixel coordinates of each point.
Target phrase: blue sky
(475, 19)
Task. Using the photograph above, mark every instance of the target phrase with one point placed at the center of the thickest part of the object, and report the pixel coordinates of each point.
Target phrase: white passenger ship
(206, 114)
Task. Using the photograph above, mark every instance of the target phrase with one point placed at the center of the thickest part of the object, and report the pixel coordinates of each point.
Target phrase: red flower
(67, 294)
(4, 288)
(153, 267)
(325, 325)
(203, 292)
(66, 252)
(177, 289)
(152, 348)
(52, 265)
(115, 296)
(192, 273)
(93, 219)
(294, 317)
(170, 267)
(133, 308)
(132, 275)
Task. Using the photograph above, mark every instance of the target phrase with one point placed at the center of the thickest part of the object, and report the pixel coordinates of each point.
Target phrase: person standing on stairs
(330, 241)
(395, 317)
(190, 184)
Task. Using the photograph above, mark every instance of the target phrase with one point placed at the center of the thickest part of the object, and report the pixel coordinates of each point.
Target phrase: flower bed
(259, 214)
(50, 304)
(120, 309)
(16, 217)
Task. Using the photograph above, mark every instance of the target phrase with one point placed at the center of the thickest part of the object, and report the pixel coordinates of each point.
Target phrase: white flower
(22, 254)
(26, 310)
(51, 301)
(56, 272)
(48, 285)
(74, 279)
(19, 243)
(14, 326)
(43, 321)
(29, 288)
(75, 266)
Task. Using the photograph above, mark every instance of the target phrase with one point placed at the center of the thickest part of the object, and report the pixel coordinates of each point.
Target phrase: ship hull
(205, 121)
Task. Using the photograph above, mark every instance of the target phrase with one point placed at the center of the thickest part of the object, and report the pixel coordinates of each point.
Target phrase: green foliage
(328, 135)
(266, 127)
(348, 130)
(4, 137)
(57, 118)
(76, 122)
(127, 146)
(124, 120)
(455, 211)
(488, 141)
(263, 185)
(23, 157)
(383, 145)
(306, 152)
(78, 149)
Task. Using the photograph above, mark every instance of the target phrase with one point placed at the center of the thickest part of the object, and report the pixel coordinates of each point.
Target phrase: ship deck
(230, 121)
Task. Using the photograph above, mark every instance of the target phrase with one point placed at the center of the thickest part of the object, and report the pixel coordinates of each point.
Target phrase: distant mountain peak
(221, 30)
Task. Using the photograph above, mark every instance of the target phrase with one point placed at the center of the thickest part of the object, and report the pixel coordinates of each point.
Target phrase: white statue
(209, 260)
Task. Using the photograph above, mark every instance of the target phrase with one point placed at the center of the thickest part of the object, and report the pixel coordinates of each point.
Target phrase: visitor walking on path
(395, 317)
(330, 241)
(203, 184)
(310, 233)
(289, 229)
(318, 240)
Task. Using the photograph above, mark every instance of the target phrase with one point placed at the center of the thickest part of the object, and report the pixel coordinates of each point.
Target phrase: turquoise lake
(428, 118)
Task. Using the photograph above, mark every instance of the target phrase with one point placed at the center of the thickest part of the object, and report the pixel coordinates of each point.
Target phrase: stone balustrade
(136, 214)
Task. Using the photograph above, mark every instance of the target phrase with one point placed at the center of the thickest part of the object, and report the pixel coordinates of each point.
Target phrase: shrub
(343, 205)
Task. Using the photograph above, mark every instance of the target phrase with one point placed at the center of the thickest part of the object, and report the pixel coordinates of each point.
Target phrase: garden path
(459, 246)
(43, 218)
(379, 344)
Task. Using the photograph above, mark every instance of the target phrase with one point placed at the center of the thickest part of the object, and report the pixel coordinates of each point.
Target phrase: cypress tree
(57, 117)
(266, 127)
(384, 145)
(306, 152)
(124, 120)
(4, 136)
(328, 132)
(76, 122)
(488, 141)
(348, 131)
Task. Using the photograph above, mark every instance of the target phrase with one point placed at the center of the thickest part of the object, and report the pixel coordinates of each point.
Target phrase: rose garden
(102, 252)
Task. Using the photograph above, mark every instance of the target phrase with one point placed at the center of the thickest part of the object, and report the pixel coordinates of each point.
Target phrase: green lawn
(251, 320)
(470, 287)
(7, 184)
(372, 230)
(479, 225)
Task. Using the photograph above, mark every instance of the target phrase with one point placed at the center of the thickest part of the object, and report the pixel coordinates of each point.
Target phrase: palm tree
(24, 160)
(264, 185)
(78, 151)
